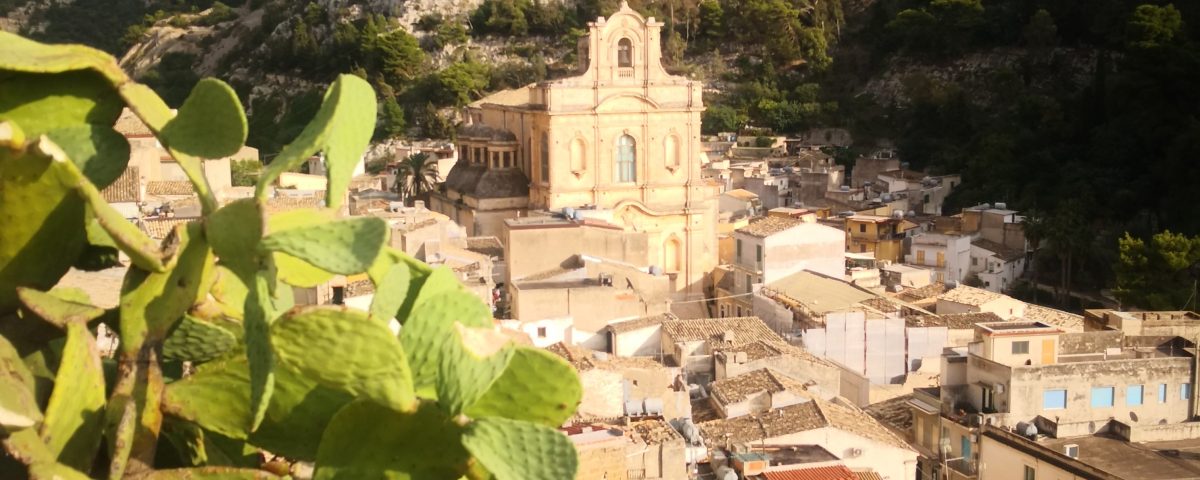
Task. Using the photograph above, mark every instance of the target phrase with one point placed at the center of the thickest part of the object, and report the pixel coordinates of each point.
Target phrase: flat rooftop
(1176, 459)
(1017, 327)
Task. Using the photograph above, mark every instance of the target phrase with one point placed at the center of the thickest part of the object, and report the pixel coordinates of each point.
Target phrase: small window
(1102, 397)
(339, 296)
(758, 253)
(1185, 391)
(1030, 474)
(624, 53)
(738, 256)
(862, 228)
(1162, 393)
(1133, 395)
(541, 332)
(974, 261)
(739, 310)
(626, 159)
(1054, 399)
(1020, 348)
(748, 285)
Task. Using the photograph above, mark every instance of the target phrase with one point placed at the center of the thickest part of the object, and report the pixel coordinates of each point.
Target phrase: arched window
(671, 255)
(626, 159)
(545, 157)
(624, 53)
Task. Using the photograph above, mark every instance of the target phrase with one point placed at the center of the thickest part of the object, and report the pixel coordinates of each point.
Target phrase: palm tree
(415, 175)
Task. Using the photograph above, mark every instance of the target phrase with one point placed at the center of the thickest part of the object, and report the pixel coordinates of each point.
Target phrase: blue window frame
(966, 446)
(1054, 399)
(1133, 395)
(1185, 391)
(626, 159)
(1102, 397)
(1162, 393)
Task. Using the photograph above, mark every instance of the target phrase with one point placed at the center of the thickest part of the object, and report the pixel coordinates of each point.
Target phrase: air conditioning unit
(999, 388)
(1071, 450)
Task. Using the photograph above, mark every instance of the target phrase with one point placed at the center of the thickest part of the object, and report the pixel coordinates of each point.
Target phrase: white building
(996, 265)
(948, 255)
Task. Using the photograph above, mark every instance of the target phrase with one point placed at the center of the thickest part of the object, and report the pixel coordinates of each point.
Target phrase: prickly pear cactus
(448, 398)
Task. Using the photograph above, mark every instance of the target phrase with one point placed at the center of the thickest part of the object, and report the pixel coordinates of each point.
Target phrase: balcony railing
(963, 468)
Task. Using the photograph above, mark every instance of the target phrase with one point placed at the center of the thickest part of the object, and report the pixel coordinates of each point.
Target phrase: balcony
(962, 468)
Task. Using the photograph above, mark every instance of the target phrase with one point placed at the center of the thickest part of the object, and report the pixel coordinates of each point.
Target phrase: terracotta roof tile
(129, 125)
(159, 228)
(894, 412)
(959, 321)
(1058, 318)
(810, 415)
(923, 293)
(737, 389)
(968, 295)
(769, 226)
(640, 323)
(834, 472)
(126, 188)
(489, 246)
(170, 187)
(734, 331)
(1005, 253)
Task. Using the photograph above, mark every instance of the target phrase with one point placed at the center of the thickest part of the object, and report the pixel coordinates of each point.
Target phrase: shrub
(324, 384)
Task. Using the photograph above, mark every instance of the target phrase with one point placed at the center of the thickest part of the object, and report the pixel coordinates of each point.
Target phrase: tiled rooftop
(893, 412)
(1005, 253)
(923, 293)
(126, 188)
(768, 226)
(833, 472)
(640, 323)
(583, 359)
(489, 246)
(129, 125)
(170, 187)
(810, 415)
(1058, 318)
(954, 320)
(734, 331)
(159, 228)
(739, 388)
(967, 295)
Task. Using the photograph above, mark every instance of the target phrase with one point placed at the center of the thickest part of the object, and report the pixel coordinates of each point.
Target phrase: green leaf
(342, 128)
(55, 471)
(366, 440)
(210, 124)
(476, 358)
(143, 251)
(418, 273)
(345, 247)
(23, 55)
(186, 440)
(209, 473)
(344, 349)
(217, 397)
(75, 416)
(54, 308)
(99, 151)
(41, 103)
(537, 386)
(18, 407)
(429, 331)
(42, 228)
(198, 341)
(517, 450)
(151, 303)
(391, 289)
(292, 270)
(259, 312)
(234, 232)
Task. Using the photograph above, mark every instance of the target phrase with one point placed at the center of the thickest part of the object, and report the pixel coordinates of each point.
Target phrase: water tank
(568, 212)
(633, 408)
(656, 270)
(1001, 205)
(726, 473)
(653, 406)
(577, 216)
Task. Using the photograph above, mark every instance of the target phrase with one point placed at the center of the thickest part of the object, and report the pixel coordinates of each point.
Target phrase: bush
(216, 364)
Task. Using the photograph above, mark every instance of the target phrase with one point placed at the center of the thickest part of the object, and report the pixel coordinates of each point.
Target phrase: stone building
(621, 141)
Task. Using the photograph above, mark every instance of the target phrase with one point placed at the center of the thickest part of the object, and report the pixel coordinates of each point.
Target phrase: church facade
(619, 143)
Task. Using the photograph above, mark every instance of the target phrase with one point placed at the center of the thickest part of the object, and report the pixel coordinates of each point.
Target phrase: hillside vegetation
(1084, 113)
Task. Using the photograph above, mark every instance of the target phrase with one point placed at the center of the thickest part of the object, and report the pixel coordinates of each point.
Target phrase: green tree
(1040, 32)
(721, 118)
(244, 173)
(391, 119)
(433, 124)
(459, 83)
(1153, 26)
(712, 21)
(399, 57)
(1159, 275)
(416, 175)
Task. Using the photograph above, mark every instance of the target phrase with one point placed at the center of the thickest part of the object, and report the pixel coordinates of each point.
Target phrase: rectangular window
(749, 288)
(758, 254)
(1102, 397)
(1030, 474)
(1162, 393)
(738, 257)
(862, 228)
(1133, 395)
(544, 151)
(1185, 391)
(1054, 399)
(920, 257)
(541, 332)
(1020, 348)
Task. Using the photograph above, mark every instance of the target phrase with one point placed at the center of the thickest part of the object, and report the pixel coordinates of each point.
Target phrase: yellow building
(618, 143)
(882, 236)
